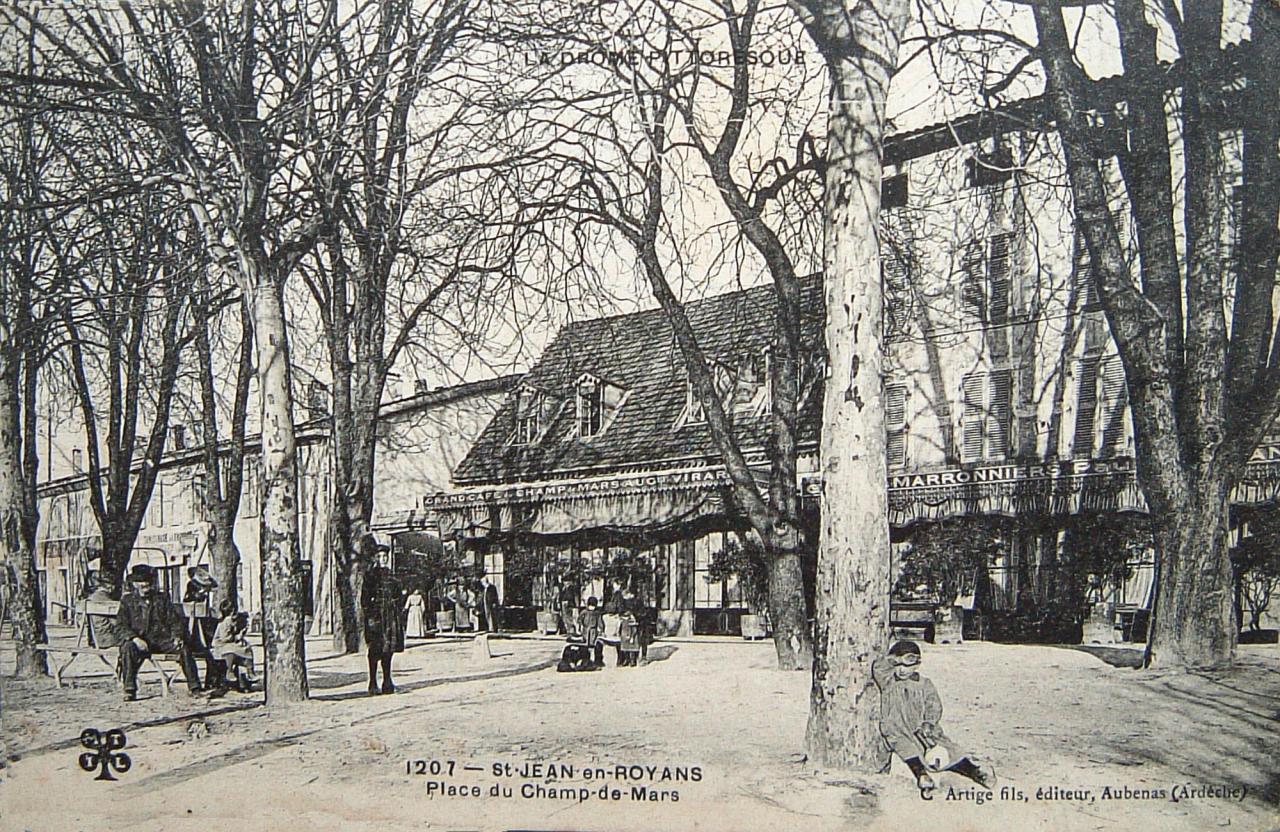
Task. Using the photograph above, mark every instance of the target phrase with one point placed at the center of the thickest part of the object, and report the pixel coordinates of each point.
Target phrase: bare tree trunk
(283, 594)
(224, 478)
(15, 552)
(787, 611)
(853, 580)
(1193, 620)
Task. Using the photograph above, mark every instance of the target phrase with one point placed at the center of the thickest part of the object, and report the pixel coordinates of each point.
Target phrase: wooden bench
(914, 615)
(92, 614)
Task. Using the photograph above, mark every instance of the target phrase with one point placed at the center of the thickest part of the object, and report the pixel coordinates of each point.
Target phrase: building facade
(420, 440)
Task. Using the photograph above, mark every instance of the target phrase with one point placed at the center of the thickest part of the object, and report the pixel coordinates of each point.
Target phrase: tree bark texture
(860, 45)
(17, 557)
(283, 592)
(1194, 622)
(1200, 393)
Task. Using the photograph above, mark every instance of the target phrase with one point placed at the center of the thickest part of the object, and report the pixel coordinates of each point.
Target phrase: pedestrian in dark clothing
(380, 603)
(592, 623)
(490, 603)
(910, 710)
(201, 628)
(149, 623)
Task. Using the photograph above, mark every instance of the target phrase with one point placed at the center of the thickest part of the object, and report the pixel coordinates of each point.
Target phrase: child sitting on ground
(910, 711)
(230, 646)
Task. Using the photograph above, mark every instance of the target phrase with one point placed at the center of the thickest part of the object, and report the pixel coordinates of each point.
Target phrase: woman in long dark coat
(380, 603)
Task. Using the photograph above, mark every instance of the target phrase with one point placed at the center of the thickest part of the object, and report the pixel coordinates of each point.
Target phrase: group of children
(585, 650)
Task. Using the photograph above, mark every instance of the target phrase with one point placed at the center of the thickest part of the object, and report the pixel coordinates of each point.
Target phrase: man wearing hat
(381, 604)
(149, 623)
(199, 585)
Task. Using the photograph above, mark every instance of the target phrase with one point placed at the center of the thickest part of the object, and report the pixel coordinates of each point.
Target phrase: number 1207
(433, 767)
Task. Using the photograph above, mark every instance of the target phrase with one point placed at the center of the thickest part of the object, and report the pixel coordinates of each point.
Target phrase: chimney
(179, 437)
(421, 387)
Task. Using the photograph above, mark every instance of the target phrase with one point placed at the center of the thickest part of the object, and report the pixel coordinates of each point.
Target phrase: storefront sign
(581, 489)
(1012, 473)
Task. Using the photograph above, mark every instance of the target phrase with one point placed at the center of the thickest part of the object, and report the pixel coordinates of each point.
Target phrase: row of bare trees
(384, 156)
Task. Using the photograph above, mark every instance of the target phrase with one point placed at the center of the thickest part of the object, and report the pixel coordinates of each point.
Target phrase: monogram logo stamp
(104, 752)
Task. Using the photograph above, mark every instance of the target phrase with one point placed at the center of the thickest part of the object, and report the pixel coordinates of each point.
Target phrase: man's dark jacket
(155, 620)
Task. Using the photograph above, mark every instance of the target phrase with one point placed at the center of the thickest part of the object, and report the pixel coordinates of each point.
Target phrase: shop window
(598, 403)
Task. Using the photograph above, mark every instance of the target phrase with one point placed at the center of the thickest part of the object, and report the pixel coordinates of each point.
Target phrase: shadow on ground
(1114, 656)
(1219, 728)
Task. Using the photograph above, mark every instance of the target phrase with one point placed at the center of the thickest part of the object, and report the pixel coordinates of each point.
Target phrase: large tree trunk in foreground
(1194, 621)
(16, 554)
(283, 594)
(853, 581)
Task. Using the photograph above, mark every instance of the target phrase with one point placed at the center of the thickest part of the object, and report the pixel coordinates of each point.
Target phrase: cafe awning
(641, 503)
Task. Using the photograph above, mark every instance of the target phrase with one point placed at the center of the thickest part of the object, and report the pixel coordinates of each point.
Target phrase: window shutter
(973, 413)
(1086, 288)
(972, 295)
(1086, 405)
(895, 417)
(893, 285)
(998, 254)
(1001, 411)
(1114, 397)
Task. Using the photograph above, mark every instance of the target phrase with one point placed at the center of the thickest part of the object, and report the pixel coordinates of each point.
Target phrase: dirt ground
(707, 736)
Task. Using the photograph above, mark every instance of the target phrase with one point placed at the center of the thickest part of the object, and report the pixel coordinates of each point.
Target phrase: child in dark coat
(910, 711)
(592, 623)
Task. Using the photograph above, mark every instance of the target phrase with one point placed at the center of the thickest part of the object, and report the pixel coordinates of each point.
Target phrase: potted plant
(745, 559)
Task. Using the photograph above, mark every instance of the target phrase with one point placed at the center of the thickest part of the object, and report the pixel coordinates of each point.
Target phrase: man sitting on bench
(148, 623)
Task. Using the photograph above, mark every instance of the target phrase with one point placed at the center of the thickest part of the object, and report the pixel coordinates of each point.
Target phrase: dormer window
(598, 402)
(742, 385)
(529, 405)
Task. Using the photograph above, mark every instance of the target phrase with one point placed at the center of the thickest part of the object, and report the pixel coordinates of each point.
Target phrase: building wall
(418, 445)
(994, 334)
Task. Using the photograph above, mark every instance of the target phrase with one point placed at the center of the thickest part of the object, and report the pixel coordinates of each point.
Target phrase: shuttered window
(998, 252)
(1000, 412)
(1114, 399)
(973, 415)
(985, 268)
(973, 296)
(1086, 407)
(897, 292)
(895, 418)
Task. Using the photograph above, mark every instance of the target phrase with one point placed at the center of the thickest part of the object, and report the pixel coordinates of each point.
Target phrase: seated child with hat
(910, 711)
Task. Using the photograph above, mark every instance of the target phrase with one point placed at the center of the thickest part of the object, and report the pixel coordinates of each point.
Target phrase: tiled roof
(638, 352)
